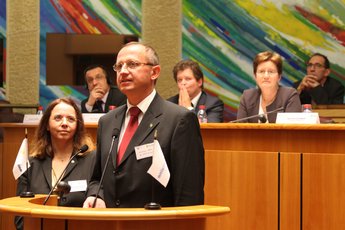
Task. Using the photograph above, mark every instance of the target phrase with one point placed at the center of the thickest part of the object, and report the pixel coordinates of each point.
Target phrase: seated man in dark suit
(317, 87)
(102, 93)
(190, 81)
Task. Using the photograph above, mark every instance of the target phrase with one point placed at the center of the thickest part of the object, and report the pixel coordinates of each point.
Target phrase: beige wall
(161, 28)
(22, 42)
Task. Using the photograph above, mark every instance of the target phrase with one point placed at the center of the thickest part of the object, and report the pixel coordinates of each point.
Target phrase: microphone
(83, 149)
(114, 135)
(262, 116)
(61, 189)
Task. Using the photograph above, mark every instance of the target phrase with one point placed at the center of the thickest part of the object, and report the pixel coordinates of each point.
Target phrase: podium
(38, 216)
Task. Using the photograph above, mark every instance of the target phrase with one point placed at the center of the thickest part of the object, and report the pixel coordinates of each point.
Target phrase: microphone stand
(153, 205)
(27, 193)
(115, 134)
(260, 116)
(84, 148)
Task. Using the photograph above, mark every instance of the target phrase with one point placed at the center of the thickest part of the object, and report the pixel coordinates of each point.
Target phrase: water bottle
(40, 110)
(202, 116)
(306, 108)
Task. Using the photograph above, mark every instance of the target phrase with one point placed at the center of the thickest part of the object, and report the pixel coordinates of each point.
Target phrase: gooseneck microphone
(62, 188)
(262, 116)
(83, 149)
(114, 135)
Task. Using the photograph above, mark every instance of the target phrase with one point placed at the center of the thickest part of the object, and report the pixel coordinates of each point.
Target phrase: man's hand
(184, 99)
(95, 94)
(89, 202)
(308, 82)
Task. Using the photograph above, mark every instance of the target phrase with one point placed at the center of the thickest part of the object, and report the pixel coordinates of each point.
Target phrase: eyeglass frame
(130, 65)
(315, 65)
(268, 72)
(98, 78)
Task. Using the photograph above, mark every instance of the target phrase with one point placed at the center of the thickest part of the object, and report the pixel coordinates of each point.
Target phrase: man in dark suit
(102, 93)
(190, 81)
(317, 87)
(127, 183)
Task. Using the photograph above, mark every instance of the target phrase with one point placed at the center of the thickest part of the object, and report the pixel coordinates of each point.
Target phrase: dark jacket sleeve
(188, 166)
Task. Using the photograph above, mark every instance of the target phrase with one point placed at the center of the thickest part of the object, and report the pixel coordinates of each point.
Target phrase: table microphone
(63, 188)
(114, 135)
(262, 116)
(83, 149)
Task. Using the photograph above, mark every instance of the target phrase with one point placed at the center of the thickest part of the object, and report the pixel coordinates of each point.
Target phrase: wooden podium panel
(50, 217)
(246, 180)
(272, 176)
(323, 192)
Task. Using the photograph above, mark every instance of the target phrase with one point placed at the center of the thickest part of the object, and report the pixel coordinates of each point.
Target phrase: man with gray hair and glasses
(317, 87)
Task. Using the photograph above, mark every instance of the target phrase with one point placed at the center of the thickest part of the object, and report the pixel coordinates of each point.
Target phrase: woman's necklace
(58, 166)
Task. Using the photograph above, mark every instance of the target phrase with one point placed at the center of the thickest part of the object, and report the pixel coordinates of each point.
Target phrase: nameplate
(32, 118)
(298, 118)
(92, 118)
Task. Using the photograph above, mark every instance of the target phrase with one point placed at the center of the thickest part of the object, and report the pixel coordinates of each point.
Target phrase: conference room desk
(271, 176)
(276, 176)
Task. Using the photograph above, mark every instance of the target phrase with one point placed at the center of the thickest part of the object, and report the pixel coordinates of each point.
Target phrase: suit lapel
(201, 101)
(254, 103)
(148, 124)
(116, 124)
(70, 167)
(47, 171)
(109, 100)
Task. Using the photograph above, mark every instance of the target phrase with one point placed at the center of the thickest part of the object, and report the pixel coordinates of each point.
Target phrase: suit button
(117, 202)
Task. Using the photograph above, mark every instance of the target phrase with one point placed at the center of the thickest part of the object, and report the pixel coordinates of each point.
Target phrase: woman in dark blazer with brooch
(60, 134)
(269, 95)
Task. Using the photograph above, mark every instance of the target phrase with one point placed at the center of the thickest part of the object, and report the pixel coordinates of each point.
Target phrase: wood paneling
(271, 176)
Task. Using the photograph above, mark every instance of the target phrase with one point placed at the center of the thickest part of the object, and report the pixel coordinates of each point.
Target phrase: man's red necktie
(130, 130)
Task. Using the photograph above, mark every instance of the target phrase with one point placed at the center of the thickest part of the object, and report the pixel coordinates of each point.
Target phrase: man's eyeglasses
(97, 78)
(315, 65)
(268, 72)
(130, 65)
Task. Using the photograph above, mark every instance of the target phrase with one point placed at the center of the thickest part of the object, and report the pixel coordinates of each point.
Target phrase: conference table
(272, 176)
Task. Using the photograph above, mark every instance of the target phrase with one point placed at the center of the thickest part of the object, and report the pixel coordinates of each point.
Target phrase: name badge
(92, 118)
(32, 118)
(78, 185)
(298, 118)
(144, 151)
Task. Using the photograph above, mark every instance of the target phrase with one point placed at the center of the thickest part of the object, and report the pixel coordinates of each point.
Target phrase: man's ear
(200, 82)
(155, 71)
(327, 72)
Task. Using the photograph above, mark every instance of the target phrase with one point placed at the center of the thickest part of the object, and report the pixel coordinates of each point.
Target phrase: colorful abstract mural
(222, 35)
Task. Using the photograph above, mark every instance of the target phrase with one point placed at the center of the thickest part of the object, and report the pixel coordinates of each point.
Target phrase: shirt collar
(144, 104)
(196, 99)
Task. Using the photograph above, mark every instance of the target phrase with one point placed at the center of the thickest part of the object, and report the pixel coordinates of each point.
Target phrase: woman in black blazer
(60, 134)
